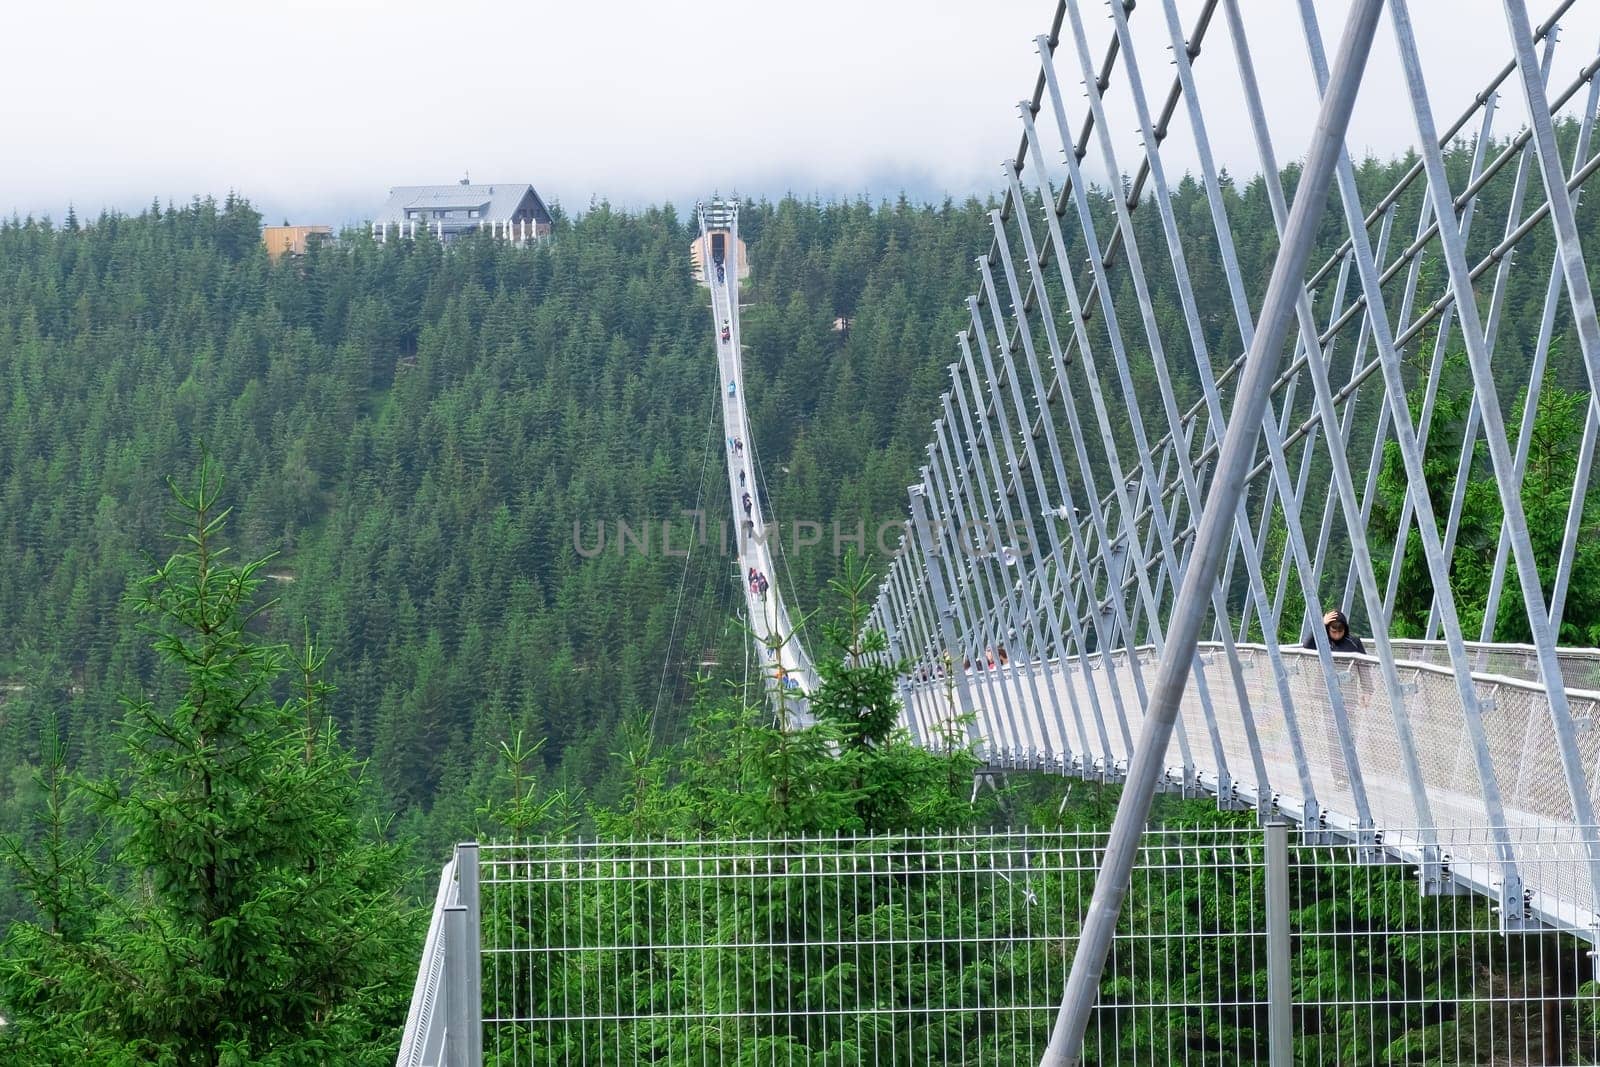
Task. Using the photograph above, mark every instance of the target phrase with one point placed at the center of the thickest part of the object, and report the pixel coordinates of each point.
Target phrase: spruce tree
(256, 916)
(859, 690)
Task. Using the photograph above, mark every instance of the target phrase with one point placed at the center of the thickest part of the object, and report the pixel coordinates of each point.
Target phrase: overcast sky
(313, 108)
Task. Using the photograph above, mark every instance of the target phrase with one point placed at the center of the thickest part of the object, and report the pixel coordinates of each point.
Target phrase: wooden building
(292, 240)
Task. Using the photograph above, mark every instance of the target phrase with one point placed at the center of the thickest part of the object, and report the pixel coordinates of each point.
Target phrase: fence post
(1280, 995)
(471, 954)
(456, 1021)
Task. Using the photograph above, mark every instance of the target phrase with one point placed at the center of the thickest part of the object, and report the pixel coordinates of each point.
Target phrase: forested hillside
(425, 434)
(418, 431)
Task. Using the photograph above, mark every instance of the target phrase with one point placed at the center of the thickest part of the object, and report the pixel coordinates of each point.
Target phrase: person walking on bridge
(1340, 639)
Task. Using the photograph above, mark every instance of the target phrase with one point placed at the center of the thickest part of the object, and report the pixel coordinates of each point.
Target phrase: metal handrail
(421, 1041)
(444, 1025)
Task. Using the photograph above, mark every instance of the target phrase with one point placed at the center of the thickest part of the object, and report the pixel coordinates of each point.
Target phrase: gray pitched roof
(497, 201)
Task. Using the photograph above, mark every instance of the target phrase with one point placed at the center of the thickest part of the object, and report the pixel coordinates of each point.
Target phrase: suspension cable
(683, 576)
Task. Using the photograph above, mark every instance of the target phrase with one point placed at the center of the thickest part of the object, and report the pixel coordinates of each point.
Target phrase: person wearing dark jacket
(1340, 639)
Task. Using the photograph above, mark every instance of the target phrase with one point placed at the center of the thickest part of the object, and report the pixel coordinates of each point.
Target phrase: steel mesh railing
(1517, 721)
(953, 947)
(1580, 667)
(443, 1027)
(422, 1040)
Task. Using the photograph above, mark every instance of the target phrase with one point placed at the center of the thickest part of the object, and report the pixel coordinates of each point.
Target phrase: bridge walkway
(786, 667)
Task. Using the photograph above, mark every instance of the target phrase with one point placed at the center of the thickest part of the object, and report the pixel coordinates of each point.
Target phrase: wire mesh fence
(1383, 974)
(954, 948)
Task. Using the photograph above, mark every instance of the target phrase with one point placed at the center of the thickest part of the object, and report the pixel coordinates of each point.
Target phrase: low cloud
(313, 109)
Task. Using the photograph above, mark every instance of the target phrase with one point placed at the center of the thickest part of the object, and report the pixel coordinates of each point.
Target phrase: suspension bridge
(786, 670)
(1156, 469)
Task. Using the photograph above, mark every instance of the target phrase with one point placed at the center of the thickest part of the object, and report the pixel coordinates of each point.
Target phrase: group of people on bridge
(1335, 623)
(758, 582)
(736, 446)
(994, 656)
(784, 676)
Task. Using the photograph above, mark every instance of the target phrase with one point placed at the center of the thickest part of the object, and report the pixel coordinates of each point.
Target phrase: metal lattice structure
(1151, 475)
